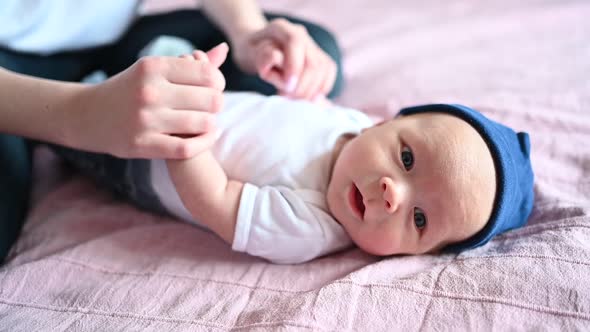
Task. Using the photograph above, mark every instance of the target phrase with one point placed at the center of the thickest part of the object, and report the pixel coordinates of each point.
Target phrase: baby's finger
(197, 98)
(174, 147)
(200, 56)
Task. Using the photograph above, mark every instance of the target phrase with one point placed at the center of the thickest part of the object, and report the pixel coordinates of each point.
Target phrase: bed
(86, 261)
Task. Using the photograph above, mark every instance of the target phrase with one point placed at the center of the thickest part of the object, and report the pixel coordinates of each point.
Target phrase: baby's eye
(419, 218)
(407, 158)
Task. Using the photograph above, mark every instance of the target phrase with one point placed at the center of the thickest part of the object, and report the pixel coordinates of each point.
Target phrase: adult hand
(286, 56)
(160, 107)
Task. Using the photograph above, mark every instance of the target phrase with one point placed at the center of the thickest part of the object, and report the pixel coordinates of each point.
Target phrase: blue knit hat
(514, 176)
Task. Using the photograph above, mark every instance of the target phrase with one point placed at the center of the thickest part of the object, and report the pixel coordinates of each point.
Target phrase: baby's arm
(207, 193)
(278, 223)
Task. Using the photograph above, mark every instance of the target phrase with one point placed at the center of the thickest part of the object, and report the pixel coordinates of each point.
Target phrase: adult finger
(198, 73)
(268, 62)
(330, 77)
(218, 54)
(294, 62)
(196, 98)
(309, 83)
(274, 77)
(292, 40)
(183, 122)
(326, 79)
(268, 55)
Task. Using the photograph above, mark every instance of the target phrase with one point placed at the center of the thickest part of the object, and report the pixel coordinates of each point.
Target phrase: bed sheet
(86, 261)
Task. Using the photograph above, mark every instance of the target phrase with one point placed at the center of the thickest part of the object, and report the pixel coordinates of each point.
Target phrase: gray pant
(127, 178)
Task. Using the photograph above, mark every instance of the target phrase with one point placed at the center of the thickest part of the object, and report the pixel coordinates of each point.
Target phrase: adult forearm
(35, 108)
(237, 18)
(207, 193)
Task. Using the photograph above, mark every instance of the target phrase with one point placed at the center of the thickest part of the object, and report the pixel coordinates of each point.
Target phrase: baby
(290, 181)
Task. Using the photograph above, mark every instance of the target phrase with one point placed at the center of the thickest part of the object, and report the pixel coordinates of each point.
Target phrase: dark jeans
(122, 176)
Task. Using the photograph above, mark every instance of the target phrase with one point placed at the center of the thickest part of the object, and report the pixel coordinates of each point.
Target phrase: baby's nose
(392, 194)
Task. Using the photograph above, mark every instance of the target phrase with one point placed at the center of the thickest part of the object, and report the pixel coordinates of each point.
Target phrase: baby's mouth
(356, 201)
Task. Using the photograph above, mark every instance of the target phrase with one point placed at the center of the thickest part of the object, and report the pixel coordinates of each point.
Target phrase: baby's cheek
(383, 243)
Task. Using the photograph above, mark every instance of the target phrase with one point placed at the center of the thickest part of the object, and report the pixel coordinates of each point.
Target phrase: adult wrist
(240, 45)
(242, 31)
(69, 115)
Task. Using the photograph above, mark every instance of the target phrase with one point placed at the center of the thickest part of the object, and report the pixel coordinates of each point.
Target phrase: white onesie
(281, 149)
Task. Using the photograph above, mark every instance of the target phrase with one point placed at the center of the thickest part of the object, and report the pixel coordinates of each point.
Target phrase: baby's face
(413, 184)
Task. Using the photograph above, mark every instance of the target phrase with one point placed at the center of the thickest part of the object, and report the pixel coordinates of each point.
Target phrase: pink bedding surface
(86, 261)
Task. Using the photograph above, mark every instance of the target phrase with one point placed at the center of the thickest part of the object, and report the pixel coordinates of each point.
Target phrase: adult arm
(158, 108)
(237, 18)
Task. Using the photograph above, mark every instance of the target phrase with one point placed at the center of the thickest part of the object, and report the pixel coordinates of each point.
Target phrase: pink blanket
(88, 262)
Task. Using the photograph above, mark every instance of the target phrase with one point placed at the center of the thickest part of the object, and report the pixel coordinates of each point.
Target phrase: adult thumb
(218, 54)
